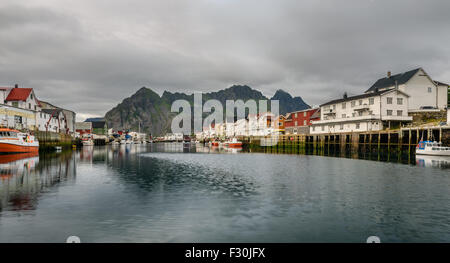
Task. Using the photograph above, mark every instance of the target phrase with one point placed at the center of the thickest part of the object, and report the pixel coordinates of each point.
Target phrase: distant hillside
(153, 112)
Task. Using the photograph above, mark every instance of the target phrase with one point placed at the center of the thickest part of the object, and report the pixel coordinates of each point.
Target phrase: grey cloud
(89, 55)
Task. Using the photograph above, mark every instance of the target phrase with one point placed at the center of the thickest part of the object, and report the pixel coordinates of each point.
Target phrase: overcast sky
(89, 55)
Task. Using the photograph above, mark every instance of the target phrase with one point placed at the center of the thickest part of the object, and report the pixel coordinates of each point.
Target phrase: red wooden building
(298, 122)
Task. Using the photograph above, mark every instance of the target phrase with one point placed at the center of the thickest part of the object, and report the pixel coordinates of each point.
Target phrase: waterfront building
(66, 116)
(53, 120)
(241, 127)
(372, 111)
(298, 122)
(229, 129)
(20, 109)
(424, 93)
(83, 129)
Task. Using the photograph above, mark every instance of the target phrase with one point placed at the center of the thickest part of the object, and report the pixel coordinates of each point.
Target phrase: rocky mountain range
(152, 112)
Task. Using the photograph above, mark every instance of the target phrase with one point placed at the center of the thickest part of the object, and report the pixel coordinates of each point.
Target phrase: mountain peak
(281, 94)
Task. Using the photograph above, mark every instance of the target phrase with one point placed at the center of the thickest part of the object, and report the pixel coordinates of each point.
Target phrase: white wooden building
(423, 91)
(367, 112)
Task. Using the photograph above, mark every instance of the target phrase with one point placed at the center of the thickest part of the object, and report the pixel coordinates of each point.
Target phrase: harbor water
(171, 192)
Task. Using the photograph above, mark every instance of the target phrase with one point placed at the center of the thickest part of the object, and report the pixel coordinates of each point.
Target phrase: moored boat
(14, 141)
(87, 142)
(234, 143)
(432, 148)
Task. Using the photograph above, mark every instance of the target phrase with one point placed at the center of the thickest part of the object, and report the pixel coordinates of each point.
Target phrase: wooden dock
(404, 139)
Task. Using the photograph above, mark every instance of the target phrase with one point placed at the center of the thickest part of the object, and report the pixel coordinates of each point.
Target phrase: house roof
(289, 114)
(52, 112)
(440, 83)
(98, 119)
(18, 94)
(362, 96)
(387, 82)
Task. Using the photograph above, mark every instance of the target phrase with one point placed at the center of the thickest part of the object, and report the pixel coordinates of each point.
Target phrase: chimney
(388, 74)
(345, 95)
(16, 86)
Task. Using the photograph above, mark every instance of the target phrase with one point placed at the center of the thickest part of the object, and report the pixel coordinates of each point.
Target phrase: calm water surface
(167, 193)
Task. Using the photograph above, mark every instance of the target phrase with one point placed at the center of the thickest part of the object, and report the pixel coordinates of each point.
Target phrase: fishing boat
(14, 141)
(234, 143)
(432, 148)
(87, 142)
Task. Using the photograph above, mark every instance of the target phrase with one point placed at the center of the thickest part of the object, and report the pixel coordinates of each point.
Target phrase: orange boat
(234, 143)
(215, 143)
(14, 141)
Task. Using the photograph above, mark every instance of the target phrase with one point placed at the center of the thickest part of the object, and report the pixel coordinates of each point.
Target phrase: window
(353, 103)
(314, 128)
(29, 106)
(35, 107)
(399, 113)
(15, 103)
(344, 105)
(360, 113)
(389, 100)
(296, 123)
(334, 107)
(353, 114)
(296, 115)
(371, 101)
(430, 90)
(343, 115)
(341, 127)
(31, 96)
(304, 123)
(323, 127)
(304, 114)
(360, 102)
(389, 112)
(400, 101)
(357, 126)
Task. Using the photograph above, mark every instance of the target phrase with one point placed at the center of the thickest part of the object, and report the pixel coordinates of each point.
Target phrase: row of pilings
(398, 143)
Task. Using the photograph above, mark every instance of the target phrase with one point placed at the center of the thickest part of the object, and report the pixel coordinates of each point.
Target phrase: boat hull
(433, 153)
(14, 148)
(234, 145)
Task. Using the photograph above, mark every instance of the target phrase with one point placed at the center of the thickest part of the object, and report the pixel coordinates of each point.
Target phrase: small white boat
(115, 143)
(129, 142)
(122, 142)
(432, 148)
(87, 142)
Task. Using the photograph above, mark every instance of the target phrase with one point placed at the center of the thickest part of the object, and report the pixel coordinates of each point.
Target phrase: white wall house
(372, 111)
(20, 109)
(241, 127)
(422, 90)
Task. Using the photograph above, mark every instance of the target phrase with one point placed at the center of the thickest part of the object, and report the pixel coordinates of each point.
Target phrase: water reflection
(23, 177)
(433, 161)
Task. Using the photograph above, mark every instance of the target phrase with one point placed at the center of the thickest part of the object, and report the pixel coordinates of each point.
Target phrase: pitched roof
(18, 94)
(440, 83)
(362, 96)
(387, 82)
(53, 112)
